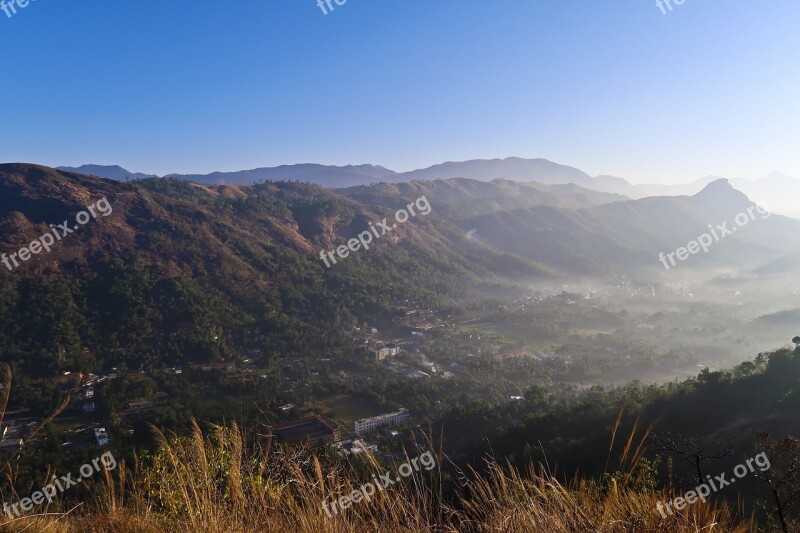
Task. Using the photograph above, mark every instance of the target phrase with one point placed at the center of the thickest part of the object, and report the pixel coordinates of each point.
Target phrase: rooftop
(310, 428)
(384, 416)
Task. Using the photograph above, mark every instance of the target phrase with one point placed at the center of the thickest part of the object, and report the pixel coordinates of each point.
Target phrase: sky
(610, 87)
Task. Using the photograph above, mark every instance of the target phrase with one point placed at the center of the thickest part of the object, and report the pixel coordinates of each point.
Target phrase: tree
(695, 451)
(782, 475)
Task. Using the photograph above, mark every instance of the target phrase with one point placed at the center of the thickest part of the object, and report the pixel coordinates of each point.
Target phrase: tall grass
(224, 480)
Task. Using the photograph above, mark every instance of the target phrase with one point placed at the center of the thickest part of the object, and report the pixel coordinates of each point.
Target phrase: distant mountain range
(512, 169)
(517, 169)
(777, 191)
(324, 175)
(112, 172)
(500, 228)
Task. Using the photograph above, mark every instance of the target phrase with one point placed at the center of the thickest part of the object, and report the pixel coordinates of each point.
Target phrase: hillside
(464, 198)
(176, 258)
(572, 226)
(629, 236)
(184, 271)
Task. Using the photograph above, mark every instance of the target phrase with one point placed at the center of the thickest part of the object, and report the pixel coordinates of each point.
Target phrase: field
(510, 334)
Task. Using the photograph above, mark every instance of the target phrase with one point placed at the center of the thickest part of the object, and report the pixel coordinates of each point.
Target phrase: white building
(389, 350)
(359, 446)
(100, 436)
(368, 424)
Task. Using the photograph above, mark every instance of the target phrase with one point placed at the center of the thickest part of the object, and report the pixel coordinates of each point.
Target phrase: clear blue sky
(611, 87)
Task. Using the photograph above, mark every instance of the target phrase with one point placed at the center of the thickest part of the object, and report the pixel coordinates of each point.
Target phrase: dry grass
(214, 482)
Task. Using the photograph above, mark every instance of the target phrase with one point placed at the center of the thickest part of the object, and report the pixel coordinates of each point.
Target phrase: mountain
(629, 236)
(788, 317)
(612, 184)
(777, 191)
(567, 229)
(518, 169)
(323, 175)
(463, 197)
(112, 172)
(180, 268)
(510, 169)
(682, 189)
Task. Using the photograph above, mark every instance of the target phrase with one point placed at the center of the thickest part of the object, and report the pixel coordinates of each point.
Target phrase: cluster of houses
(13, 433)
(367, 339)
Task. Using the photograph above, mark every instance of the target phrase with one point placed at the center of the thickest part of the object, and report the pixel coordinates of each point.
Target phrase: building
(368, 424)
(139, 405)
(359, 446)
(311, 429)
(100, 436)
(389, 350)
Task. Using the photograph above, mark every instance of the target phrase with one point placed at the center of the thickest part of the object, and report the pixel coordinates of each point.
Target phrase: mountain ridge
(774, 191)
(114, 172)
(512, 168)
(567, 228)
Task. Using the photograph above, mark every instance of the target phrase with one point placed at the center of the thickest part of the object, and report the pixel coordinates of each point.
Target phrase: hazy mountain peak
(778, 177)
(114, 172)
(721, 197)
(718, 185)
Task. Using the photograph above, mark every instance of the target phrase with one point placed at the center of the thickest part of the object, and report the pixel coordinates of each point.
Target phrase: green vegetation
(210, 303)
